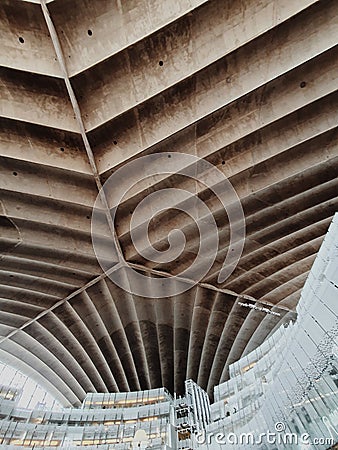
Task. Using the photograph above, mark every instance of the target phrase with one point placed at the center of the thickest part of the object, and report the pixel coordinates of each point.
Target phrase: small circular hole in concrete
(88, 217)
(62, 149)
(169, 156)
(302, 84)
(90, 33)
(21, 40)
(160, 63)
(15, 173)
(223, 162)
(115, 142)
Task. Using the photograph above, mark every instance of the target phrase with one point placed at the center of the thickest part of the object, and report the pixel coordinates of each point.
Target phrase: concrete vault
(86, 87)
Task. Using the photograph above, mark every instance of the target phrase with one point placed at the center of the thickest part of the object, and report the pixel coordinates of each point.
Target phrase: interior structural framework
(87, 88)
(282, 395)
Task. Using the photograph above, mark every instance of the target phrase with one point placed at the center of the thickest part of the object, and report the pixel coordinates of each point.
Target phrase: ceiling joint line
(51, 308)
(78, 116)
(59, 53)
(201, 284)
(144, 269)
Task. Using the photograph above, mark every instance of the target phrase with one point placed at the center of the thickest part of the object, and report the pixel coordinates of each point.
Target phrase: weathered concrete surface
(250, 86)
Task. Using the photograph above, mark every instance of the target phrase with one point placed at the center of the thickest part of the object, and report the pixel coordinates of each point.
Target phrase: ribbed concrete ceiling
(88, 86)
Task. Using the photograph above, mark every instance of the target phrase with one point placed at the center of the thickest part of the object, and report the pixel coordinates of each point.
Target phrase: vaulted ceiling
(88, 86)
